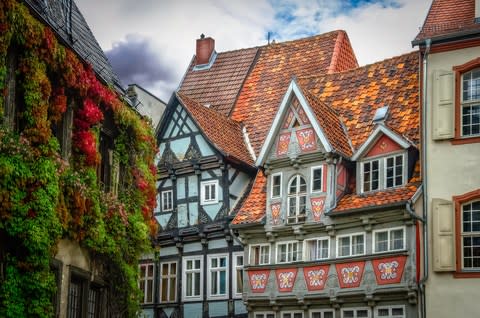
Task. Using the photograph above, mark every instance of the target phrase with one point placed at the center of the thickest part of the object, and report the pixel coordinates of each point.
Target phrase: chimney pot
(205, 49)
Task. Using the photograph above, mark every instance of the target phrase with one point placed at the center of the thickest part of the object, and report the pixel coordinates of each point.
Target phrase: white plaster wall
(452, 170)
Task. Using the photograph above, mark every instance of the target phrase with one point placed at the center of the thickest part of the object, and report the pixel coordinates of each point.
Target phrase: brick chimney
(205, 48)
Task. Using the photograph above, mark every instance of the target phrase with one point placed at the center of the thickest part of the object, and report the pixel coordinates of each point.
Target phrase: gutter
(445, 37)
(421, 284)
(367, 209)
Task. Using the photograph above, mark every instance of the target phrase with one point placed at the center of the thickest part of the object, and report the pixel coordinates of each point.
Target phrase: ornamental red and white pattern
(306, 139)
(258, 280)
(317, 207)
(315, 277)
(389, 270)
(283, 142)
(350, 274)
(303, 116)
(275, 213)
(286, 279)
(288, 119)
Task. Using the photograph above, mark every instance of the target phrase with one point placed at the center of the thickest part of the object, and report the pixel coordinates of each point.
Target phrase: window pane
(164, 289)
(398, 311)
(357, 244)
(214, 283)
(344, 246)
(397, 239)
(362, 313)
(383, 312)
(223, 282)
(303, 185)
(348, 314)
(197, 284)
(328, 314)
(381, 241)
(173, 289)
(317, 180)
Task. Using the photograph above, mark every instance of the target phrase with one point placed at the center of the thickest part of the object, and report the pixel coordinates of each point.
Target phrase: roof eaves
(370, 208)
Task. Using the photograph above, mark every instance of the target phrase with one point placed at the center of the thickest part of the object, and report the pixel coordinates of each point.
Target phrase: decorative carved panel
(389, 270)
(286, 279)
(315, 277)
(350, 274)
(258, 280)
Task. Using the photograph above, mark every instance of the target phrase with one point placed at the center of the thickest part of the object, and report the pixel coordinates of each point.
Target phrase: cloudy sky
(151, 42)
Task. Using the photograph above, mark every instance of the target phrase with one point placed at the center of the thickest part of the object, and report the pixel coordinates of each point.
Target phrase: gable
(182, 140)
(295, 130)
(382, 146)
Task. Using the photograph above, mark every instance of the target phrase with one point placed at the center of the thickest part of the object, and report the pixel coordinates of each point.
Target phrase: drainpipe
(428, 42)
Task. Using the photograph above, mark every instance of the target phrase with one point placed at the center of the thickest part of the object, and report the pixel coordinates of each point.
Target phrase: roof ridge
(360, 67)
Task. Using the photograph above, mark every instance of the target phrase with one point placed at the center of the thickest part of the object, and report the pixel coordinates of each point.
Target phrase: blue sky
(151, 42)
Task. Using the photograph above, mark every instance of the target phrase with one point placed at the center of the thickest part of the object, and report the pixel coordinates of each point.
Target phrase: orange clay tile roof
(355, 201)
(358, 93)
(266, 84)
(220, 84)
(448, 17)
(254, 206)
(331, 124)
(225, 134)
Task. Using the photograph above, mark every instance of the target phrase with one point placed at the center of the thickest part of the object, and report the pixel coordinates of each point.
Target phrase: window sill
(466, 274)
(208, 202)
(465, 140)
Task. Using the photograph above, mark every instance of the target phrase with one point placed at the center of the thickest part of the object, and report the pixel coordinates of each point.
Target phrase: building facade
(67, 166)
(338, 233)
(450, 50)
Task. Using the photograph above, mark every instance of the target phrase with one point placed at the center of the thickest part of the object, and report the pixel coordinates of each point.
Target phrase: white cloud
(376, 30)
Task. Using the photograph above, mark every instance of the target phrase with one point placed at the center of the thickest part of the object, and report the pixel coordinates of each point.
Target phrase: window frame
(369, 311)
(306, 248)
(146, 279)
(235, 268)
(260, 254)
(218, 269)
(169, 276)
(337, 239)
(291, 312)
(184, 277)
(459, 201)
(362, 174)
(322, 311)
(280, 174)
(163, 200)
(203, 185)
(287, 243)
(464, 104)
(297, 195)
(312, 169)
(264, 313)
(389, 230)
(390, 307)
(459, 70)
(394, 156)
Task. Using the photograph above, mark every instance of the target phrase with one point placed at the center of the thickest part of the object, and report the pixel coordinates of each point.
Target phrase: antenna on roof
(268, 37)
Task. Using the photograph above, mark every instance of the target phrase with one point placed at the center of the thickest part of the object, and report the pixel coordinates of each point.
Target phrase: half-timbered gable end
(202, 173)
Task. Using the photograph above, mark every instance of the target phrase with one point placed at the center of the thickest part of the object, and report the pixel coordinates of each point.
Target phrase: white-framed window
(168, 282)
(351, 244)
(259, 254)
(322, 313)
(192, 277)
(167, 200)
(390, 311)
(394, 171)
(470, 235)
(470, 100)
(276, 188)
(370, 175)
(217, 272)
(297, 199)
(237, 274)
(291, 314)
(209, 192)
(264, 314)
(356, 313)
(387, 240)
(288, 252)
(317, 179)
(317, 249)
(145, 281)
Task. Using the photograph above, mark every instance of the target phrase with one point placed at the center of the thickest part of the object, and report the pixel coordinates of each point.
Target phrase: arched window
(297, 198)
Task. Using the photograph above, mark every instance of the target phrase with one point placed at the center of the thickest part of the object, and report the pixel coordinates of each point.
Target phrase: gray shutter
(443, 235)
(443, 112)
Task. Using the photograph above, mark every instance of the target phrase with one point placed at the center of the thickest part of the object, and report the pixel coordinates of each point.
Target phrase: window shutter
(443, 235)
(443, 105)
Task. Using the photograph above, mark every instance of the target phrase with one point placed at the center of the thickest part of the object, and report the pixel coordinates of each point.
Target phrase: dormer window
(297, 198)
(383, 173)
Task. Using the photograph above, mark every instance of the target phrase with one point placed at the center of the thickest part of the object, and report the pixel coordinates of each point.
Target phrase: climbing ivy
(44, 198)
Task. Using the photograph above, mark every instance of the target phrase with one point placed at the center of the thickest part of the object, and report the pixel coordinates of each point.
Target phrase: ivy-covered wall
(45, 198)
